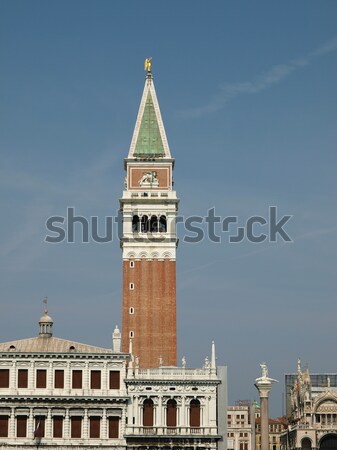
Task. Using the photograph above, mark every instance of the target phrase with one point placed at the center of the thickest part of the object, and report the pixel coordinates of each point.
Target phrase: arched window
(135, 224)
(145, 224)
(171, 413)
(154, 224)
(162, 224)
(148, 413)
(306, 443)
(328, 442)
(195, 414)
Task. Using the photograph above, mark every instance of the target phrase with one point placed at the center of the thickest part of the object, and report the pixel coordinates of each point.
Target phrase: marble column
(264, 385)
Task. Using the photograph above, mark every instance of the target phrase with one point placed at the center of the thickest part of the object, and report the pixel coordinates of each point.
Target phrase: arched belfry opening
(162, 224)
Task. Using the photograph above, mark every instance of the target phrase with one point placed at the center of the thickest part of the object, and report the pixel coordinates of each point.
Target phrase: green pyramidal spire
(149, 137)
(149, 140)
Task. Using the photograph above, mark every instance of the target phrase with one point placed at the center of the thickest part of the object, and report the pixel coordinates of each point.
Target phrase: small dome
(46, 325)
(46, 319)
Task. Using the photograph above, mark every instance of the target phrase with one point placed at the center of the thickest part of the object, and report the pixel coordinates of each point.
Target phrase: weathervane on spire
(148, 65)
(45, 301)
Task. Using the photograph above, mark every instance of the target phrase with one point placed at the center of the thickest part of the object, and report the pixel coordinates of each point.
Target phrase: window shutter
(41, 378)
(114, 379)
(76, 427)
(114, 427)
(59, 379)
(21, 426)
(195, 414)
(77, 379)
(4, 378)
(39, 427)
(95, 379)
(57, 426)
(171, 413)
(22, 378)
(3, 426)
(148, 413)
(95, 425)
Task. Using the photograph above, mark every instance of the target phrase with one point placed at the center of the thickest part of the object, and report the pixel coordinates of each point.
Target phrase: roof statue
(264, 370)
(148, 64)
(264, 379)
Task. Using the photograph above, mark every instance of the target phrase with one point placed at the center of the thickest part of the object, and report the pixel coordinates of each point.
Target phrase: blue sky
(249, 101)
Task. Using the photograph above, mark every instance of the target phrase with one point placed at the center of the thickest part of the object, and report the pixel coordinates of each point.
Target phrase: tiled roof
(279, 420)
(50, 345)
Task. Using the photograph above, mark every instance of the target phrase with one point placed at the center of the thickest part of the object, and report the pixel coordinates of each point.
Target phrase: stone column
(104, 427)
(49, 425)
(264, 385)
(66, 425)
(12, 419)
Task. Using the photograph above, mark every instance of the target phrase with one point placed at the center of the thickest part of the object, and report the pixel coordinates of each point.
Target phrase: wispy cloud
(87, 188)
(261, 82)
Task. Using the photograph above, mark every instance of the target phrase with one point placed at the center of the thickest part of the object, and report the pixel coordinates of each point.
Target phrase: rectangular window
(39, 427)
(41, 378)
(132, 264)
(76, 427)
(21, 426)
(3, 426)
(95, 379)
(22, 378)
(4, 378)
(77, 379)
(114, 427)
(95, 426)
(59, 379)
(132, 286)
(57, 426)
(114, 382)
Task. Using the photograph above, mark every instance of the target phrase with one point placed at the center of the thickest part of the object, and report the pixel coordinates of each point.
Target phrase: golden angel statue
(148, 64)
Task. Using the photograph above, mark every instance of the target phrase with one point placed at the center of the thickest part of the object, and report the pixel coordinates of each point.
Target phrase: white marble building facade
(61, 393)
(175, 407)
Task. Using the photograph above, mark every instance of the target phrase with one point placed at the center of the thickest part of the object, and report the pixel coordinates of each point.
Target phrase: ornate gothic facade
(311, 402)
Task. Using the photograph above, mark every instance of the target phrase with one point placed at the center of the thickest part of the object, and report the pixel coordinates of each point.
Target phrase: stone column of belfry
(149, 208)
(264, 385)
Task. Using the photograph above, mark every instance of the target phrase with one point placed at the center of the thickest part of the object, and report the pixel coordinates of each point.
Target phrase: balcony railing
(177, 373)
(169, 431)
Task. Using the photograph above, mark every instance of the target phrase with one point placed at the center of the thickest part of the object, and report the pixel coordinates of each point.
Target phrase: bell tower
(149, 208)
